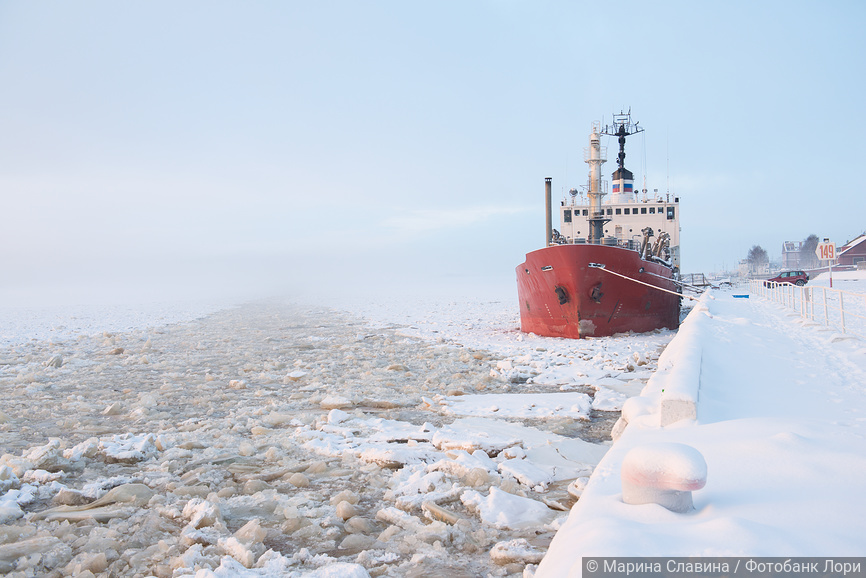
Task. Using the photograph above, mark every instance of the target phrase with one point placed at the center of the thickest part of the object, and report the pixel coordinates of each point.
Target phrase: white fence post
(842, 311)
(803, 309)
(826, 311)
(788, 295)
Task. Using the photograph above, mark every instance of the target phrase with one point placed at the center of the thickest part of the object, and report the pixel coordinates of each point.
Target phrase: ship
(613, 265)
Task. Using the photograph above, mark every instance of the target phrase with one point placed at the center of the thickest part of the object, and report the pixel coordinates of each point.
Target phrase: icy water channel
(271, 440)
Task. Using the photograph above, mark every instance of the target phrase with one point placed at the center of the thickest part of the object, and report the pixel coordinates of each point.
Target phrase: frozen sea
(386, 435)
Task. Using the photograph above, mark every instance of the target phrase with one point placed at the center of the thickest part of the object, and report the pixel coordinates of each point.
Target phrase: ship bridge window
(627, 211)
(652, 210)
(585, 212)
(618, 211)
(609, 212)
(643, 210)
(567, 215)
(670, 213)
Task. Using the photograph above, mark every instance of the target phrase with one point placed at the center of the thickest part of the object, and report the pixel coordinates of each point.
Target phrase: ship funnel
(547, 207)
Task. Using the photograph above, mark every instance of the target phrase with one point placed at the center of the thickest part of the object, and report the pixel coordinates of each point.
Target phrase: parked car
(799, 278)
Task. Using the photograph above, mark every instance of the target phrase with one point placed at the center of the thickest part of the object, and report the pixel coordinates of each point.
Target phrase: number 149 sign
(826, 251)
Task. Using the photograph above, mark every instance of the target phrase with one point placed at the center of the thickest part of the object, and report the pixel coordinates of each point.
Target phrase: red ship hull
(579, 291)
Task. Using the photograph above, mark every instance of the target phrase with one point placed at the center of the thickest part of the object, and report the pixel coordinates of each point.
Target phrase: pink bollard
(664, 474)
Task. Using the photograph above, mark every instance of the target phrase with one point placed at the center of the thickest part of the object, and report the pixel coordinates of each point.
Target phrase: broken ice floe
(304, 451)
(517, 550)
(516, 405)
(507, 511)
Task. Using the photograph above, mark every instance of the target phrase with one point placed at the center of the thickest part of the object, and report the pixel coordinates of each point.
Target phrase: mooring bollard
(664, 474)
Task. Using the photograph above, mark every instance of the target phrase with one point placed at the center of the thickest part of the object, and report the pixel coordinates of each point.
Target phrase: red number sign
(826, 251)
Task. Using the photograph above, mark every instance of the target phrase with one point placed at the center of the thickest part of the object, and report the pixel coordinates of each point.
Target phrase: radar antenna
(622, 127)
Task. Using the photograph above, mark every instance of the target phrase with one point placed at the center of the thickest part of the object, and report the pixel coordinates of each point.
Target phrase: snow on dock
(776, 405)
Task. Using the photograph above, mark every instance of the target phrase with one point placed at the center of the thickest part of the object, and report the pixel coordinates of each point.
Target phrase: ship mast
(622, 127)
(623, 179)
(594, 156)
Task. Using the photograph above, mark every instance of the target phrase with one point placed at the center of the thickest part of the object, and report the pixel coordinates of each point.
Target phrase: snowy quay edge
(775, 405)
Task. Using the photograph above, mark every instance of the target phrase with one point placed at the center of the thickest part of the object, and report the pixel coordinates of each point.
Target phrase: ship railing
(609, 241)
(696, 279)
(836, 309)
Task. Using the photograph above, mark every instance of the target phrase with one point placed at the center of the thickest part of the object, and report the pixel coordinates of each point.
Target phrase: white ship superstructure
(627, 219)
(624, 215)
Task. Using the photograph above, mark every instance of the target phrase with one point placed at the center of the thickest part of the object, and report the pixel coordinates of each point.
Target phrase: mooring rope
(603, 268)
(680, 283)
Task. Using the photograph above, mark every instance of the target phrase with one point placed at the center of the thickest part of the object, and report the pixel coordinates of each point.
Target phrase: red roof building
(852, 253)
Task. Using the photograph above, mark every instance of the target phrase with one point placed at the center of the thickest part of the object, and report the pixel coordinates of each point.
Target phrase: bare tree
(808, 258)
(757, 256)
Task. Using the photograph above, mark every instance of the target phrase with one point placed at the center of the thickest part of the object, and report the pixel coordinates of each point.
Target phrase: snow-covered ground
(854, 281)
(389, 436)
(781, 427)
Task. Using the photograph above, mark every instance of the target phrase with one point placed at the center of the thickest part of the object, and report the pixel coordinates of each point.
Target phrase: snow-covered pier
(777, 408)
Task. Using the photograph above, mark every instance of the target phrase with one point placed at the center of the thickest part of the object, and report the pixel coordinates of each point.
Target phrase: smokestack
(547, 202)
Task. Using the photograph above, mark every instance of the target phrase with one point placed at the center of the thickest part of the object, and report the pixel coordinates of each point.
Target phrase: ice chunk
(9, 508)
(251, 532)
(242, 552)
(335, 402)
(453, 437)
(86, 449)
(506, 511)
(345, 496)
(526, 472)
(427, 532)
(339, 570)
(42, 477)
(356, 542)
(129, 447)
(608, 400)
(113, 409)
(299, 480)
(104, 508)
(8, 479)
(436, 512)
(201, 513)
(529, 405)
(566, 458)
(51, 549)
(391, 457)
(345, 510)
(275, 419)
(462, 464)
(518, 550)
(576, 487)
(359, 525)
(337, 416)
(48, 457)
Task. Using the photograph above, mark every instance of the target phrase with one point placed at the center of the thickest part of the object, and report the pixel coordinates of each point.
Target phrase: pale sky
(280, 141)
